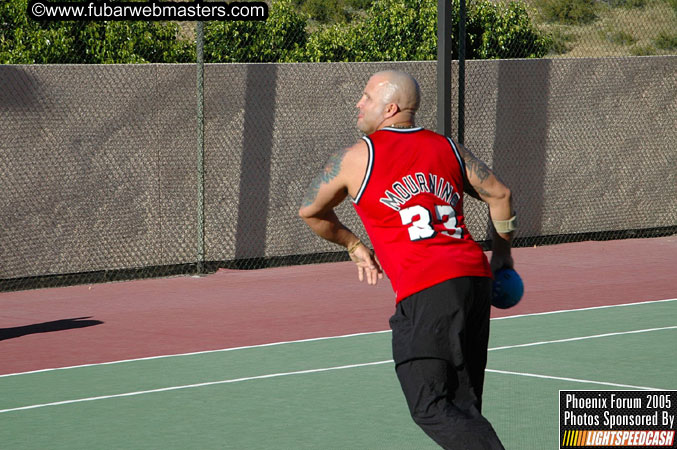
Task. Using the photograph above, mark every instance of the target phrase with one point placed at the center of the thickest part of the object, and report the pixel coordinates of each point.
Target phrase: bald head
(399, 88)
(390, 97)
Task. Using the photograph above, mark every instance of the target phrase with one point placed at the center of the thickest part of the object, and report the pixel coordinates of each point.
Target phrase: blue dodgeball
(508, 289)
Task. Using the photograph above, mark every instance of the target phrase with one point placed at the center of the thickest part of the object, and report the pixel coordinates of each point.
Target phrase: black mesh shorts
(448, 321)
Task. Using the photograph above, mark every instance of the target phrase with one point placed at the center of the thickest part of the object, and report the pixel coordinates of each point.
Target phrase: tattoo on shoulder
(475, 165)
(478, 168)
(333, 165)
(330, 171)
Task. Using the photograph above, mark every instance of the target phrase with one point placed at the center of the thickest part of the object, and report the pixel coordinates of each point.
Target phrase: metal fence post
(200, 149)
(444, 67)
(461, 72)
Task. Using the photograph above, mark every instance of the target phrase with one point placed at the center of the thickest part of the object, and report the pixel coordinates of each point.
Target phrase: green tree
(497, 30)
(323, 11)
(272, 40)
(24, 40)
(397, 30)
(389, 30)
(393, 30)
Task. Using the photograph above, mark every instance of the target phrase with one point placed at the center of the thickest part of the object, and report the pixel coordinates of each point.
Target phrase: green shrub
(560, 41)
(503, 31)
(642, 50)
(399, 30)
(569, 12)
(673, 3)
(324, 11)
(390, 30)
(626, 3)
(360, 4)
(329, 12)
(271, 40)
(26, 41)
(666, 41)
(393, 30)
(618, 37)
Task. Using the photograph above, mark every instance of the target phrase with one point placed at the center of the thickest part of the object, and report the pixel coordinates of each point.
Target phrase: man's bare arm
(499, 198)
(477, 172)
(331, 170)
(325, 192)
(487, 185)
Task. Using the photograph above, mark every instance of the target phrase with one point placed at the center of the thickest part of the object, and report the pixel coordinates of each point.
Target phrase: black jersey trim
(367, 175)
(458, 154)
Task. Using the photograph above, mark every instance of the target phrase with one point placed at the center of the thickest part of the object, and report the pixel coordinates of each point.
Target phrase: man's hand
(499, 262)
(501, 257)
(367, 265)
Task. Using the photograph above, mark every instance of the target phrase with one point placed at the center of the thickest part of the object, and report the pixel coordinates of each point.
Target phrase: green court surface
(334, 393)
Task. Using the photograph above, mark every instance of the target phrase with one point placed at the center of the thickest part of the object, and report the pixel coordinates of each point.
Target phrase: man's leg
(477, 319)
(439, 346)
(428, 385)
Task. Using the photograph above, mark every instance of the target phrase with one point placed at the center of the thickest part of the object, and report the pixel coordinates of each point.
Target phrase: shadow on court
(47, 327)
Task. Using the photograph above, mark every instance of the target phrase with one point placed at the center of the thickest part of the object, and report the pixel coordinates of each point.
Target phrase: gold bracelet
(353, 247)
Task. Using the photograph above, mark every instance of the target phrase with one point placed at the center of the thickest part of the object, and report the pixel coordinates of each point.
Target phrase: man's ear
(391, 109)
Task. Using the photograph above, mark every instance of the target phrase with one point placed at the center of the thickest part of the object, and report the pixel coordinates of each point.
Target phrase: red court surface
(238, 308)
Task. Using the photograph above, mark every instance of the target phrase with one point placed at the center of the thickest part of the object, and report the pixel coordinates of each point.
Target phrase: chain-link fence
(107, 174)
(91, 178)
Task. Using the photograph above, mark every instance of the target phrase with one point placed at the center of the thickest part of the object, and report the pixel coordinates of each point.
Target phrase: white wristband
(505, 226)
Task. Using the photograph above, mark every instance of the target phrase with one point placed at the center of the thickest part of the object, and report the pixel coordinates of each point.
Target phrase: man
(407, 186)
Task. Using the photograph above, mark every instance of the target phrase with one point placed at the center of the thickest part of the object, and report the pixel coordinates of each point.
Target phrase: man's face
(371, 106)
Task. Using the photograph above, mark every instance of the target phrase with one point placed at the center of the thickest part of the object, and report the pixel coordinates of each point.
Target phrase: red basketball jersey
(411, 204)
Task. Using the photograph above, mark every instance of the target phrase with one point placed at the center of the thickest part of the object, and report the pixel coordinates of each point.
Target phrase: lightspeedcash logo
(618, 438)
(618, 419)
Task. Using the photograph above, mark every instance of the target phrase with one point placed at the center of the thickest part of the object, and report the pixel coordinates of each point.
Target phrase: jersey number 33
(419, 221)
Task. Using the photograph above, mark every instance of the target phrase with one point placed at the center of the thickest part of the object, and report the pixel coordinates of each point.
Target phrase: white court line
(271, 344)
(581, 338)
(351, 366)
(190, 386)
(585, 309)
(204, 352)
(575, 380)
(300, 372)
